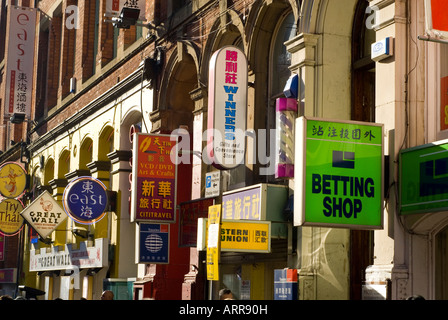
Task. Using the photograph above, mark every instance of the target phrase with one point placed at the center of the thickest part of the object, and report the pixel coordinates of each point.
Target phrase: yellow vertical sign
(213, 226)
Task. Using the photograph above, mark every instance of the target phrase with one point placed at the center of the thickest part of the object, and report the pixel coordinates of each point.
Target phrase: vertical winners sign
(340, 180)
(227, 104)
(20, 60)
(154, 179)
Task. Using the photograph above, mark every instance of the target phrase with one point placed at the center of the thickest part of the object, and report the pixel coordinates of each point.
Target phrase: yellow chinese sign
(213, 250)
(12, 180)
(247, 236)
(10, 219)
(154, 178)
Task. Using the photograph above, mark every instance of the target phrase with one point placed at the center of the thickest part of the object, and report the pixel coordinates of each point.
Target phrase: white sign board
(44, 214)
(20, 61)
(227, 105)
(212, 184)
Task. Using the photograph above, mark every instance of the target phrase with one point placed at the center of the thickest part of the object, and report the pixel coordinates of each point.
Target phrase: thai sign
(12, 180)
(154, 178)
(69, 257)
(227, 103)
(20, 60)
(10, 219)
(424, 178)
(154, 243)
(340, 182)
(85, 200)
(44, 214)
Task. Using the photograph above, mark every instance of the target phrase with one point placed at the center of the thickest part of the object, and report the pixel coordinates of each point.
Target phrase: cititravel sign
(340, 180)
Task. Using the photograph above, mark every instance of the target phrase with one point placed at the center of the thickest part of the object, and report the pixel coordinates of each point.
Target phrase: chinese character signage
(247, 236)
(242, 204)
(85, 200)
(154, 178)
(12, 180)
(20, 60)
(436, 18)
(114, 7)
(189, 214)
(154, 243)
(227, 104)
(285, 284)
(44, 214)
(10, 219)
(340, 181)
(424, 178)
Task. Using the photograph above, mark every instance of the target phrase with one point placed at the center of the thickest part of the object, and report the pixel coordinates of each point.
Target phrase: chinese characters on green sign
(340, 180)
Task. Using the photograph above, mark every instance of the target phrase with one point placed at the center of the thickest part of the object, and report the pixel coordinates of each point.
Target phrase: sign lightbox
(340, 180)
(85, 200)
(20, 60)
(44, 214)
(436, 18)
(153, 178)
(227, 104)
(424, 178)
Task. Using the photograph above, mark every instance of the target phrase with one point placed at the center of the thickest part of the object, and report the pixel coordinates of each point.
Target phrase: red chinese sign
(154, 178)
(189, 213)
(444, 103)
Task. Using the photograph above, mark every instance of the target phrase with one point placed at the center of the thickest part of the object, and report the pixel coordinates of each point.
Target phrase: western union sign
(240, 236)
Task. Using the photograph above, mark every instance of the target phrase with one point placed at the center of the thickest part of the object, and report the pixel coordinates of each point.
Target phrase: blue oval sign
(85, 200)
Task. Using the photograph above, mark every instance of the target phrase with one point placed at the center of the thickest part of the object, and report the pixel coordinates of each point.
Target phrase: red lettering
(22, 19)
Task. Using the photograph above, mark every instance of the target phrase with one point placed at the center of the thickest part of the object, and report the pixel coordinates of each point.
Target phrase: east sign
(339, 181)
(85, 200)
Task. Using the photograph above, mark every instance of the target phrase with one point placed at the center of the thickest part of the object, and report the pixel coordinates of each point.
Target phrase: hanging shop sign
(153, 243)
(213, 242)
(8, 275)
(189, 213)
(444, 103)
(114, 7)
(423, 178)
(85, 200)
(69, 257)
(239, 236)
(10, 219)
(258, 202)
(285, 284)
(340, 181)
(154, 178)
(44, 214)
(20, 61)
(436, 18)
(12, 180)
(227, 104)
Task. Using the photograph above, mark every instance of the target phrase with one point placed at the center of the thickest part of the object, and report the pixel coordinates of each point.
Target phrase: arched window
(281, 58)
